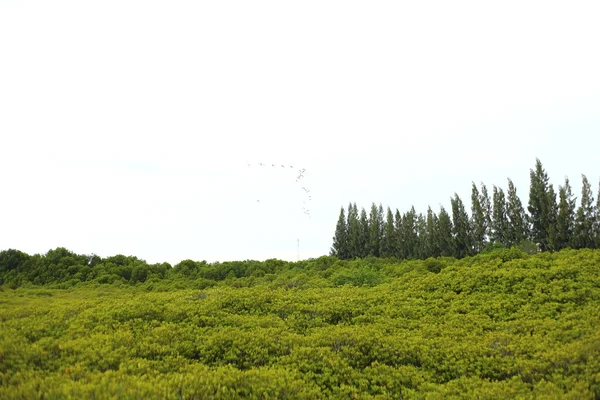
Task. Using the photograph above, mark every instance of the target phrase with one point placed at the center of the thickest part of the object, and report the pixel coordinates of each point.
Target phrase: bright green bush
(504, 324)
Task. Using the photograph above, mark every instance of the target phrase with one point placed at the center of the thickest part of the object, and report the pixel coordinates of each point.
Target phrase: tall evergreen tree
(541, 207)
(409, 233)
(340, 247)
(478, 221)
(375, 224)
(518, 227)
(388, 239)
(460, 228)
(382, 218)
(399, 233)
(597, 225)
(432, 244)
(364, 234)
(421, 226)
(552, 225)
(444, 234)
(486, 206)
(499, 219)
(586, 218)
(566, 216)
(354, 239)
(553, 215)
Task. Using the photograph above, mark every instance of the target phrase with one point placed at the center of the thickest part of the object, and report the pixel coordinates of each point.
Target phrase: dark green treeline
(550, 221)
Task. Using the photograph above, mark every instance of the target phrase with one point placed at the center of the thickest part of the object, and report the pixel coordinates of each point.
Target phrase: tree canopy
(500, 221)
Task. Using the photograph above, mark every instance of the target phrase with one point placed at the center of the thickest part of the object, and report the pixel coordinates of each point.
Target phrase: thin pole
(298, 250)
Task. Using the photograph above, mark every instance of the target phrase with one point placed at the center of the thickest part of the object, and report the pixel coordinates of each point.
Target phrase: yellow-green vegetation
(494, 326)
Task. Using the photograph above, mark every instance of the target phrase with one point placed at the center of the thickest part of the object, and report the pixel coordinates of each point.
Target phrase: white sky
(127, 126)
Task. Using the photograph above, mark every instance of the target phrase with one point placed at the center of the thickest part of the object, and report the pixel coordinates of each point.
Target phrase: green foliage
(358, 277)
(354, 231)
(527, 246)
(432, 248)
(566, 217)
(500, 230)
(375, 230)
(434, 265)
(518, 228)
(410, 239)
(341, 240)
(486, 205)
(398, 224)
(461, 229)
(503, 324)
(479, 222)
(422, 237)
(597, 221)
(389, 238)
(364, 235)
(12, 259)
(542, 207)
(583, 236)
(444, 239)
(550, 226)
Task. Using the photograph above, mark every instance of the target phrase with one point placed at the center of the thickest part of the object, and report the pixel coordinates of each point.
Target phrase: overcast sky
(127, 127)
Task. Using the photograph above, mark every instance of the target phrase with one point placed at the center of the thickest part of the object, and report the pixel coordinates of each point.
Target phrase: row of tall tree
(549, 222)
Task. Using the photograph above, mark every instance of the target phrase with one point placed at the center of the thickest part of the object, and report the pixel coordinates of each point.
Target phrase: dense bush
(499, 325)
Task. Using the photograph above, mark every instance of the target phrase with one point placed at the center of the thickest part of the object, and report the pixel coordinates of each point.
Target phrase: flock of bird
(299, 177)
